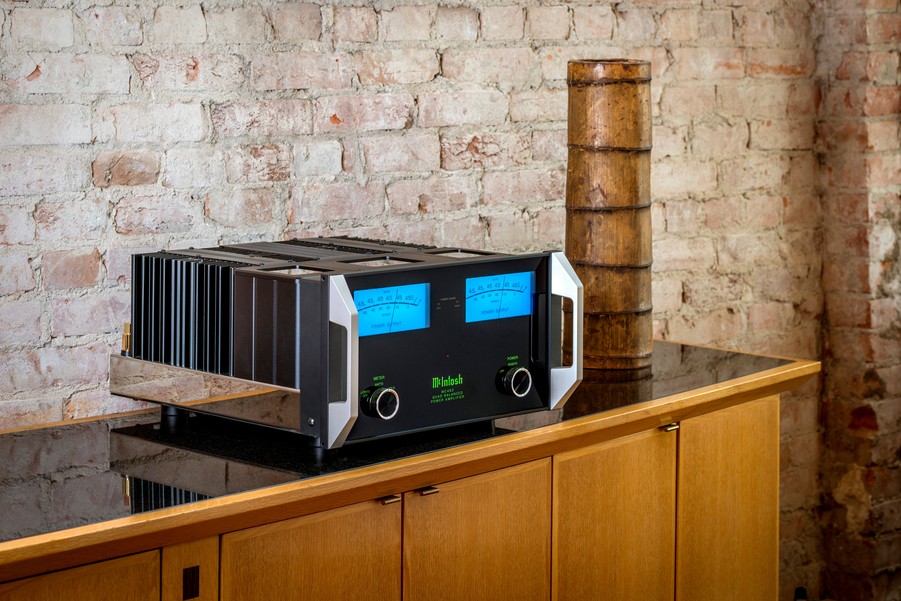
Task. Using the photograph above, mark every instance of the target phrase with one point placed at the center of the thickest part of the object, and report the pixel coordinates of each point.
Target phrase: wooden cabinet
(623, 530)
(482, 537)
(347, 553)
(132, 578)
(191, 571)
(728, 508)
(614, 520)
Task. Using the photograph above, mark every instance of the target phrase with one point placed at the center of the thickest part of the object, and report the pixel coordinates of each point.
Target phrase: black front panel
(443, 337)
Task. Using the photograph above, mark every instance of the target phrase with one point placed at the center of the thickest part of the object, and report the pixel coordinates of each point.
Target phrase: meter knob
(516, 381)
(382, 403)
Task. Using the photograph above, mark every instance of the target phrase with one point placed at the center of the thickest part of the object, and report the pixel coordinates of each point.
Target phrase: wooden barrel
(608, 208)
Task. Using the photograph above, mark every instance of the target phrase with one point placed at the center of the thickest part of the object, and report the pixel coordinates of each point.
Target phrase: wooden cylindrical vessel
(608, 208)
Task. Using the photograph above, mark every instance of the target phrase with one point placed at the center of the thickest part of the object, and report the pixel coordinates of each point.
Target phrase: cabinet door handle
(670, 427)
(428, 490)
(390, 499)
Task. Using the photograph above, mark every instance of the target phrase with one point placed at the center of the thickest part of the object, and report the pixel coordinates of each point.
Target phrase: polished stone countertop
(72, 474)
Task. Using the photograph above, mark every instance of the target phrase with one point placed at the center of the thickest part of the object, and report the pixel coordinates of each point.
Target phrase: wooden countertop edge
(86, 544)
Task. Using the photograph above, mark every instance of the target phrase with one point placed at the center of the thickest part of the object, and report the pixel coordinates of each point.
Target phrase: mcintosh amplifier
(378, 338)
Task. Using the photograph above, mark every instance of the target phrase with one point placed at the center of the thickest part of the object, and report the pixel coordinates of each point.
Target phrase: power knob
(517, 381)
(382, 403)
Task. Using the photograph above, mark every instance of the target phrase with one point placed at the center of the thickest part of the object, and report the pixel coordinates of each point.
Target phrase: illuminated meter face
(392, 309)
(499, 296)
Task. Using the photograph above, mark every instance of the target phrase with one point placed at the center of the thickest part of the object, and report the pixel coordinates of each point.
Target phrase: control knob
(517, 381)
(382, 403)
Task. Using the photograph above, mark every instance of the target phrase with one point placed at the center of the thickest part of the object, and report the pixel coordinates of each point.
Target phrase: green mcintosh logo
(444, 382)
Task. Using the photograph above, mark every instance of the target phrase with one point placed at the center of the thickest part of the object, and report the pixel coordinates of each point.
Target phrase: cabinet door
(614, 520)
(132, 578)
(728, 525)
(347, 553)
(483, 537)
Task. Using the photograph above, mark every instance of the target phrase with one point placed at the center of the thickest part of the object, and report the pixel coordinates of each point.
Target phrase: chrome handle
(565, 283)
(428, 490)
(390, 499)
(342, 413)
(670, 427)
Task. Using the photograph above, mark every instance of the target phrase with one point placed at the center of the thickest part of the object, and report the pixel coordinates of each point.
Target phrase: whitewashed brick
(44, 124)
(65, 269)
(318, 157)
(89, 315)
(113, 26)
(538, 105)
(635, 26)
(511, 231)
(236, 26)
(222, 72)
(510, 66)
(753, 172)
(42, 28)
(241, 208)
(355, 24)
(340, 200)
(42, 171)
(147, 122)
(179, 25)
(302, 70)
(16, 273)
(433, 195)
(593, 22)
(676, 254)
(457, 23)
(46, 367)
(362, 112)
(484, 151)
(262, 118)
(16, 225)
(193, 167)
(720, 139)
(81, 219)
(256, 163)
(548, 22)
(666, 294)
(137, 215)
(296, 22)
(409, 65)
(502, 22)
(549, 145)
(118, 262)
(68, 74)
(679, 177)
(407, 23)
(522, 188)
(414, 152)
(458, 108)
(550, 228)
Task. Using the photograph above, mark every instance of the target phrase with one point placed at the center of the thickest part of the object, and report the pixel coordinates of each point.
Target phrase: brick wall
(135, 126)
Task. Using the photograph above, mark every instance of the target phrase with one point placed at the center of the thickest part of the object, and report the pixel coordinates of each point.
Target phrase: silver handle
(566, 284)
(342, 413)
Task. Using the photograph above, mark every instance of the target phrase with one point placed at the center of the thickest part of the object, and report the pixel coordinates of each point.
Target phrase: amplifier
(379, 338)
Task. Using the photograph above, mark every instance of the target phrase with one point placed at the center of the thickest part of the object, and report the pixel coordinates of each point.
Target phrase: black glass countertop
(70, 475)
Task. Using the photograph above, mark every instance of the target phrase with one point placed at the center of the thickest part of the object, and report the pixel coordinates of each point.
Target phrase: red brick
(709, 63)
(771, 62)
(484, 151)
(195, 71)
(549, 145)
(113, 26)
(433, 195)
(548, 22)
(154, 215)
(179, 25)
(853, 66)
(263, 118)
(460, 108)
(505, 22)
(236, 26)
(68, 74)
(44, 124)
(130, 168)
(406, 23)
(720, 139)
(20, 322)
(847, 242)
(74, 220)
(593, 22)
(510, 66)
(799, 209)
(882, 101)
(412, 152)
(676, 177)
(362, 112)
(42, 171)
(70, 268)
(538, 105)
(883, 136)
(753, 172)
(846, 275)
(522, 188)
(242, 208)
(340, 200)
(403, 66)
(42, 28)
(296, 22)
(457, 23)
(355, 24)
(635, 26)
(16, 273)
(843, 135)
(16, 226)
(193, 167)
(676, 254)
(301, 70)
(883, 170)
(89, 315)
(685, 103)
(882, 67)
(767, 134)
(256, 163)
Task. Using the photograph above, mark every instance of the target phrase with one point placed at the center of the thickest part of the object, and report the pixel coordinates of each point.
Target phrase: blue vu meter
(393, 309)
(499, 296)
